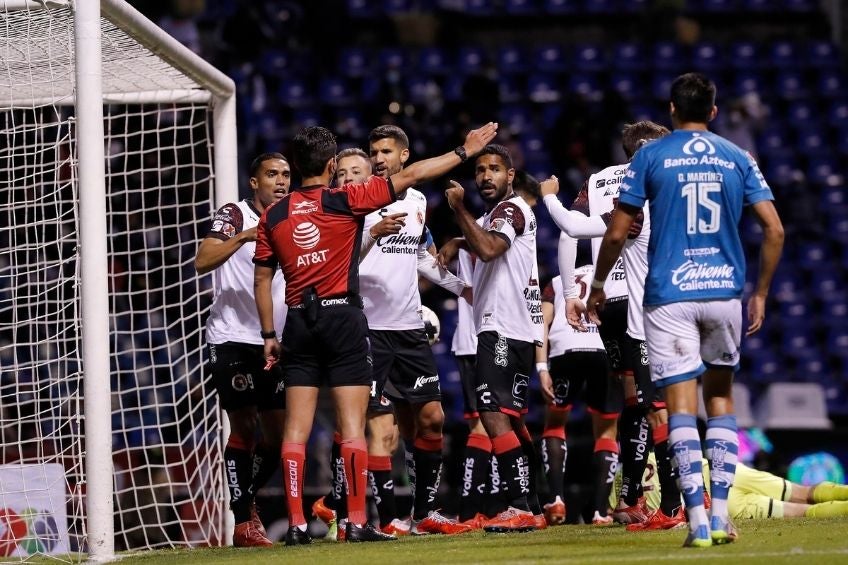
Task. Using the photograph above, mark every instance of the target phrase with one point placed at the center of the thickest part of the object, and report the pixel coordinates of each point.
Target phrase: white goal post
(116, 144)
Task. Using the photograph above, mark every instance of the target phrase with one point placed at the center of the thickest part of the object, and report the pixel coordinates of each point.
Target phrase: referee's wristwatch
(268, 335)
(460, 151)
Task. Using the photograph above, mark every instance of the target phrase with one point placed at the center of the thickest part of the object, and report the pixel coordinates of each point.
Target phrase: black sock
(239, 467)
(554, 454)
(634, 432)
(669, 492)
(497, 501)
(532, 458)
(428, 470)
(266, 461)
(605, 463)
(475, 476)
(338, 496)
(514, 469)
(382, 487)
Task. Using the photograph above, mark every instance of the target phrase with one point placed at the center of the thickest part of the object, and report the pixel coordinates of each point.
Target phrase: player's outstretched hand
(478, 138)
(271, 351)
(389, 225)
(756, 313)
(549, 186)
(448, 252)
(594, 304)
(575, 314)
(249, 234)
(455, 194)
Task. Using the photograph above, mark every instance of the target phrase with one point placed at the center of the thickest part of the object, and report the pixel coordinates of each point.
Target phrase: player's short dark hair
(500, 151)
(312, 147)
(389, 131)
(634, 136)
(693, 96)
(261, 158)
(526, 182)
(351, 151)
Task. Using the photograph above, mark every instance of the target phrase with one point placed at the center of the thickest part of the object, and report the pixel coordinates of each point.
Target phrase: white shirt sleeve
(574, 223)
(430, 270)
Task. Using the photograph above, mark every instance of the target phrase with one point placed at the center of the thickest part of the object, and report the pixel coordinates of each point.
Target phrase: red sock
(355, 455)
(294, 456)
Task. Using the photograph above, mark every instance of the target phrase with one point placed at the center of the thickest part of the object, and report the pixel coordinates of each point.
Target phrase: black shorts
(239, 375)
(503, 373)
(613, 330)
(574, 370)
(334, 351)
(467, 365)
(404, 369)
(647, 394)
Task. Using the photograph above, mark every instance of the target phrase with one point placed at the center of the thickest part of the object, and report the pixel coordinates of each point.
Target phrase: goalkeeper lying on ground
(758, 494)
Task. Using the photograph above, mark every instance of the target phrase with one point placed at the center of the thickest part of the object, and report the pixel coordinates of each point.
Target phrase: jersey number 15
(697, 195)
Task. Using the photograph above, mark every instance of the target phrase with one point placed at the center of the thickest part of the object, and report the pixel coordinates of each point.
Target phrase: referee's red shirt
(314, 233)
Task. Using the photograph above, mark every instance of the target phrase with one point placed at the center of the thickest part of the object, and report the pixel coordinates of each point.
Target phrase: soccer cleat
(722, 531)
(356, 534)
(598, 520)
(555, 512)
(511, 520)
(541, 522)
(630, 514)
(397, 527)
(435, 523)
(657, 520)
(257, 522)
(476, 523)
(296, 536)
(320, 511)
(698, 538)
(246, 535)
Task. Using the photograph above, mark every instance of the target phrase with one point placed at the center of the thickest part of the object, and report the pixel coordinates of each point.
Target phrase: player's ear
(510, 176)
(404, 155)
(713, 113)
(254, 184)
(330, 167)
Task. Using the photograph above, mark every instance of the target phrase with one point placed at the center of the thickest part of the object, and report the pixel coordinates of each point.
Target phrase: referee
(314, 235)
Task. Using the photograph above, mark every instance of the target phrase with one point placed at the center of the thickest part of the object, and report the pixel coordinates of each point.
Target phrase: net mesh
(166, 436)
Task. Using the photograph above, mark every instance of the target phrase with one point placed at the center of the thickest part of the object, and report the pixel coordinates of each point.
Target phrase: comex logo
(698, 144)
(306, 235)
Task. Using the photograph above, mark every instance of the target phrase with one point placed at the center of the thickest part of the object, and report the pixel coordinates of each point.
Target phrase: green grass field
(775, 541)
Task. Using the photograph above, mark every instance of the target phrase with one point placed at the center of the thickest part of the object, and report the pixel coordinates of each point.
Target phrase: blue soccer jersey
(696, 184)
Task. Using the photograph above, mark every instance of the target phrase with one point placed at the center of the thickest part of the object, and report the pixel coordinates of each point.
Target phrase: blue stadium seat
(813, 255)
(363, 9)
(551, 113)
(834, 197)
(391, 58)
(802, 112)
(801, 5)
(821, 54)
(757, 5)
(661, 86)
(600, 7)
(797, 342)
(470, 59)
(629, 85)
(480, 8)
(589, 58)
(551, 58)
(276, 61)
(813, 367)
(668, 56)
(561, 7)
(718, 6)
(349, 123)
(335, 91)
(831, 83)
(837, 223)
(826, 285)
(707, 57)
(391, 7)
(767, 368)
(842, 140)
(810, 140)
(294, 93)
(773, 141)
(543, 88)
(745, 81)
(640, 112)
(521, 7)
(634, 6)
(782, 171)
(433, 61)
(511, 59)
(533, 145)
(354, 62)
(786, 287)
(629, 57)
(421, 89)
(453, 87)
(837, 114)
(511, 89)
(782, 55)
(587, 86)
(369, 90)
(515, 117)
(790, 84)
(744, 55)
(823, 170)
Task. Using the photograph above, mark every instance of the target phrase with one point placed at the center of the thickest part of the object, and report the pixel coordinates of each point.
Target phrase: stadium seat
(335, 91)
(782, 171)
(480, 8)
(515, 117)
(421, 89)
(718, 6)
(587, 86)
(589, 58)
(790, 84)
(782, 55)
(802, 111)
(741, 405)
(813, 256)
(561, 7)
(276, 62)
(511, 89)
(822, 54)
(837, 224)
(470, 59)
(831, 83)
(826, 285)
(511, 59)
(745, 81)
(600, 7)
(629, 86)
(391, 58)
(668, 56)
(801, 5)
(823, 169)
(533, 145)
(349, 123)
(392, 7)
(810, 140)
(837, 114)
(551, 58)
(793, 406)
(354, 62)
(757, 5)
(521, 7)
(543, 88)
(661, 86)
(294, 93)
(433, 61)
(453, 89)
(707, 57)
(629, 57)
(634, 6)
(362, 9)
(744, 55)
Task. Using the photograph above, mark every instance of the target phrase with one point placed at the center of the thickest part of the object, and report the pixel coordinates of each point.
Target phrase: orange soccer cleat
(630, 514)
(320, 511)
(257, 522)
(555, 512)
(397, 528)
(658, 520)
(246, 535)
(435, 523)
(511, 520)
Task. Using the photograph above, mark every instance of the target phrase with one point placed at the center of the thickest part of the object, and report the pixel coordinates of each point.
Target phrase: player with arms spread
(696, 184)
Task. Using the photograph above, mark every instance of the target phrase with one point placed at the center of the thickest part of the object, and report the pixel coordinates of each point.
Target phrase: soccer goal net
(109, 440)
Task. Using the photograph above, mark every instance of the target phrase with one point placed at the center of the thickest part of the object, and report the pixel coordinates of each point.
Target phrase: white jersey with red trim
(388, 274)
(233, 316)
(635, 256)
(561, 336)
(507, 298)
(464, 337)
(602, 192)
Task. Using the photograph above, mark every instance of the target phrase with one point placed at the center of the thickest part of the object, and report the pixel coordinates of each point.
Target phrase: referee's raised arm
(432, 168)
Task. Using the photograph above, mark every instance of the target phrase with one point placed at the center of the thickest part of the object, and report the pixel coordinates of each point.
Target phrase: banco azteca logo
(306, 235)
(698, 144)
